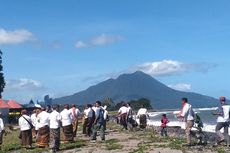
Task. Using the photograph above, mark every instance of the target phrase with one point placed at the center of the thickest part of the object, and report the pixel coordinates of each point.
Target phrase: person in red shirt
(164, 122)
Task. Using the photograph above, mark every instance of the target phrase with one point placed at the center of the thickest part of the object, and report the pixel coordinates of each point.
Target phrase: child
(164, 122)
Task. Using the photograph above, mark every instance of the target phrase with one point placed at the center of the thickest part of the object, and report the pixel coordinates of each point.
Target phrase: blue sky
(61, 47)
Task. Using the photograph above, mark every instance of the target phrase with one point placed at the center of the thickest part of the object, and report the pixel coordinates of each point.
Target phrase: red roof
(13, 104)
(3, 104)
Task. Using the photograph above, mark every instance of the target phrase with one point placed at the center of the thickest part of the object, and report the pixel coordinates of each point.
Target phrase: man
(66, 120)
(26, 130)
(142, 114)
(122, 115)
(223, 120)
(1, 129)
(43, 131)
(55, 119)
(89, 117)
(187, 114)
(99, 122)
(75, 114)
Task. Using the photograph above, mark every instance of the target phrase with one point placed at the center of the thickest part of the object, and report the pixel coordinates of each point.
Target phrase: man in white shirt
(43, 131)
(66, 120)
(223, 120)
(142, 114)
(75, 114)
(1, 128)
(122, 115)
(187, 113)
(26, 130)
(54, 119)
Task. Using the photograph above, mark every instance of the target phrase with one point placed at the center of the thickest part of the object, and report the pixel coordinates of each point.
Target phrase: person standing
(99, 122)
(43, 131)
(187, 113)
(164, 122)
(1, 129)
(34, 122)
(66, 120)
(75, 114)
(25, 130)
(54, 119)
(223, 120)
(142, 114)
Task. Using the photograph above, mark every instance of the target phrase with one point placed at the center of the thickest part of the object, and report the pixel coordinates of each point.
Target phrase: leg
(162, 131)
(102, 131)
(219, 126)
(188, 128)
(94, 132)
(226, 132)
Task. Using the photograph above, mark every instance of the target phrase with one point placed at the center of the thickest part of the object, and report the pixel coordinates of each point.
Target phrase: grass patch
(77, 144)
(141, 148)
(112, 144)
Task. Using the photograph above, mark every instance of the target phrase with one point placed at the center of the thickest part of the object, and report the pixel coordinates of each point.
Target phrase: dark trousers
(225, 136)
(164, 131)
(97, 127)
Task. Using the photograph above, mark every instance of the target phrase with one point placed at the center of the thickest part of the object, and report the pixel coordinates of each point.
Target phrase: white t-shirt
(1, 125)
(54, 118)
(66, 117)
(23, 124)
(88, 112)
(123, 110)
(43, 119)
(187, 112)
(225, 117)
(142, 111)
(34, 119)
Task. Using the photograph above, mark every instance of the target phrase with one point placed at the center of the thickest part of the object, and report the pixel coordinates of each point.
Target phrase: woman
(26, 130)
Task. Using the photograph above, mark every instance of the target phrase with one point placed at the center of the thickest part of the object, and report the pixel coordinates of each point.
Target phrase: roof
(3, 104)
(13, 104)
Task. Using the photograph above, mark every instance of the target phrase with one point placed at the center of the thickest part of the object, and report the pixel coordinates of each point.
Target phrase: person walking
(54, 119)
(187, 114)
(25, 130)
(75, 114)
(222, 121)
(122, 115)
(99, 122)
(142, 114)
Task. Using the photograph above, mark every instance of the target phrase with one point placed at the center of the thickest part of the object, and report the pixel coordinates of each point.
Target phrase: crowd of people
(44, 125)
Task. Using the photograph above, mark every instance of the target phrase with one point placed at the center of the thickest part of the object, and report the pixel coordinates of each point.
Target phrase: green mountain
(134, 86)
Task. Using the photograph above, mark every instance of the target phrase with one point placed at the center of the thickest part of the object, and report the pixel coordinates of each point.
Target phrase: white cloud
(161, 68)
(15, 37)
(181, 86)
(80, 44)
(24, 84)
(100, 40)
(104, 39)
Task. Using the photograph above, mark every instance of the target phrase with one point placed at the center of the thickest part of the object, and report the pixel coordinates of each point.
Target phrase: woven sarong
(54, 138)
(43, 136)
(68, 133)
(143, 121)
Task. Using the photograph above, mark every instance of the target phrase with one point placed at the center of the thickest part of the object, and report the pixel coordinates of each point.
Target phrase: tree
(2, 80)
